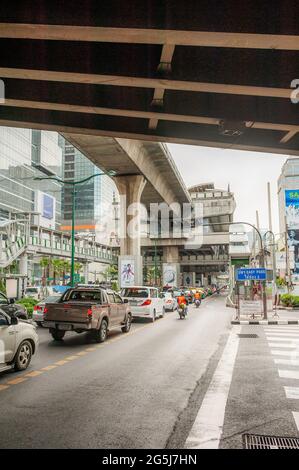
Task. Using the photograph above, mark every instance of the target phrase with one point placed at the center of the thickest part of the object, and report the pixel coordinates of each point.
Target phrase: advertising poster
(293, 242)
(292, 207)
(48, 206)
(127, 272)
(45, 206)
(170, 275)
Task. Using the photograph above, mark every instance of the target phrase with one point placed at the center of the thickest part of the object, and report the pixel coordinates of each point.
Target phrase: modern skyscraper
(24, 155)
(93, 199)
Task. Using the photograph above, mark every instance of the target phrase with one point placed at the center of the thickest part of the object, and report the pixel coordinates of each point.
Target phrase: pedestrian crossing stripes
(284, 346)
(292, 392)
(289, 374)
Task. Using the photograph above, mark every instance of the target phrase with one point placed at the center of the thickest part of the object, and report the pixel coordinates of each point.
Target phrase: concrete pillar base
(130, 270)
(171, 274)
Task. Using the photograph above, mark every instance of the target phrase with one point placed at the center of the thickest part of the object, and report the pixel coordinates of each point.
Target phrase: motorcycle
(182, 311)
(197, 303)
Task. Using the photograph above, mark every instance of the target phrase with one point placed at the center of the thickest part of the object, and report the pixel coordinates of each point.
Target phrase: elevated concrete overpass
(203, 73)
(151, 160)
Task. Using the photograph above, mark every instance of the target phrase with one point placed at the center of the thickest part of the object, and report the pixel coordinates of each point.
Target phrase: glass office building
(93, 199)
(24, 155)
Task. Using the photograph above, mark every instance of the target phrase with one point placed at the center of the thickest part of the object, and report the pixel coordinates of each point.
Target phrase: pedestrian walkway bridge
(18, 237)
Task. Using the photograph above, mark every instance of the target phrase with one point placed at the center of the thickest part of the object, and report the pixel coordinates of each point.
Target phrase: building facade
(93, 200)
(26, 154)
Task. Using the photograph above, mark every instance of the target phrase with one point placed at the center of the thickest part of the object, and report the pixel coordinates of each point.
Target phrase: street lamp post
(262, 257)
(73, 184)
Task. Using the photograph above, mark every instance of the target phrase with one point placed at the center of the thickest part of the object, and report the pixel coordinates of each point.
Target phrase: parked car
(170, 302)
(38, 309)
(144, 301)
(94, 310)
(19, 341)
(11, 308)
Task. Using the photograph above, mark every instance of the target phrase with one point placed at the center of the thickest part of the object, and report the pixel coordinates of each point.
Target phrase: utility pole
(287, 255)
(269, 207)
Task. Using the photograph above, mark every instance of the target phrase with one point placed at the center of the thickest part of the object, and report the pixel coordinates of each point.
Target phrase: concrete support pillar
(130, 261)
(171, 266)
(86, 272)
(23, 268)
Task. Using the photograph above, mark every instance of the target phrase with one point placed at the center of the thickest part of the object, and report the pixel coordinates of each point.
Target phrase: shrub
(290, 300)
(28, 303)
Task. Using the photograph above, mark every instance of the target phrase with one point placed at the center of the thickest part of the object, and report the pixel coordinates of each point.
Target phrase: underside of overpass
(206, 73)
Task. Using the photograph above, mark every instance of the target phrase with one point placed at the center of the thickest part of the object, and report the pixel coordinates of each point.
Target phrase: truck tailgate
(73, 312)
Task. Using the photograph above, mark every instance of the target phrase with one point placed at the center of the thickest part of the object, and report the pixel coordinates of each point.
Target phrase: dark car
(11, 308)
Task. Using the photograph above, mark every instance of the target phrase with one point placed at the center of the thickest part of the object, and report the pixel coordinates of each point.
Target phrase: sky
(247, 174)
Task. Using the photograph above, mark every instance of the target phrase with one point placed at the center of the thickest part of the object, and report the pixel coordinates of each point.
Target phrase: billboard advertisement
(170, 274)
(292, 207)
(45, 206)
(293, 243)
(48, 206)
(127, 272)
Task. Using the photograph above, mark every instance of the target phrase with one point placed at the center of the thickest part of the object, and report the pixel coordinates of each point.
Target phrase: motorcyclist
(197, 295)
(183, 300)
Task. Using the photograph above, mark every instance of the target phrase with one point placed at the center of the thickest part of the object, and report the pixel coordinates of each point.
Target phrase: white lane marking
(285, 335)
(287, 362)
(278, 352)
(292, 392)
(288, 374)
(207, 428)
(279, 338)
(296, 418)
(283, 345)
(280, 330)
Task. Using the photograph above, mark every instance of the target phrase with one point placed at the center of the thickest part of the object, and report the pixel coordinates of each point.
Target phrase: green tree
(57, 268)
(45, 263)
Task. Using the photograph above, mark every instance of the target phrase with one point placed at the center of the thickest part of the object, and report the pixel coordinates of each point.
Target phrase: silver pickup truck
(95, 310)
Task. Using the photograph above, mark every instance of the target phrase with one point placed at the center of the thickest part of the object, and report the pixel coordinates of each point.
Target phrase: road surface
(126, 393)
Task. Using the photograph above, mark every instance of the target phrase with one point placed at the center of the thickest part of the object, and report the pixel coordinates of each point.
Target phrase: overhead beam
(163, 67)
(149, 36)
(140, 82)
(289, 136)
(148, 137)
(291, 129)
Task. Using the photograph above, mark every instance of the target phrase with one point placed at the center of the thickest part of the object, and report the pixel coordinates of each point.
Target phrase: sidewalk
(280, 317)
(264, 393)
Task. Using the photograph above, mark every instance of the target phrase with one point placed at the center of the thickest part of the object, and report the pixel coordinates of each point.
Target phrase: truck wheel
(57, 335)
(127, 327)
(101, 334)
(23, 356)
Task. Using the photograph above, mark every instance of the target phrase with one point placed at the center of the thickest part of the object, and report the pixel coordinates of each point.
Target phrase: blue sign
(251, 274)
(292, 197)
(48, 206)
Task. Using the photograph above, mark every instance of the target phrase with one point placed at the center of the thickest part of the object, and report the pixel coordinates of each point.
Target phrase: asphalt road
(137, 390)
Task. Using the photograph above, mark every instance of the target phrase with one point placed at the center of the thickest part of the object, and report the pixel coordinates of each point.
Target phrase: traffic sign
(251, 274)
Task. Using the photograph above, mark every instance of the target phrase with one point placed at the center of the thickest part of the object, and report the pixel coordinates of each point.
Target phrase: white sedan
(170, 302)
(18, 342)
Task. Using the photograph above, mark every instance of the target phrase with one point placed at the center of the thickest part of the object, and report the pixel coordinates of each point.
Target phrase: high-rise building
(93, 199)
(24, 155)
(288, 180)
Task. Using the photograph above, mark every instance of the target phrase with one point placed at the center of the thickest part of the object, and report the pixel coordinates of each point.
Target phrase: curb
(265, 322)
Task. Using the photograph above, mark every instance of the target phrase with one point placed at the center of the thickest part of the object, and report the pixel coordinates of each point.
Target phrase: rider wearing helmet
(182, 300)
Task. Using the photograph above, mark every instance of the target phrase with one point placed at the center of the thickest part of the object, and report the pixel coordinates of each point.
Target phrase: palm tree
(66, 268)
(57, 268)
(45, 264)
(78, 267)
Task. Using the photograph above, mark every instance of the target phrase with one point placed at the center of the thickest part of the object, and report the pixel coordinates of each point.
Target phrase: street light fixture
(73, 184)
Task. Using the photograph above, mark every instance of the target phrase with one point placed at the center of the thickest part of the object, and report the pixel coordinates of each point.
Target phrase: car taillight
(146, 302)
(46, 310)
(37, 307)
(89, 312)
